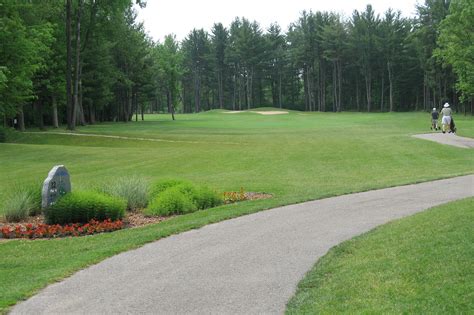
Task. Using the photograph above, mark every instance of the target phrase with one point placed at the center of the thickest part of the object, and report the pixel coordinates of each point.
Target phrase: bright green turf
(296, 157)
(418, 265)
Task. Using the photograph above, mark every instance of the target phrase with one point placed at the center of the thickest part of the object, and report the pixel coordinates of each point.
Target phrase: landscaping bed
(36, 227)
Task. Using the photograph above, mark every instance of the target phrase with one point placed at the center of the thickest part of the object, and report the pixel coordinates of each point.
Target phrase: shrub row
(109, 201)
(178, 197)
(83, 206)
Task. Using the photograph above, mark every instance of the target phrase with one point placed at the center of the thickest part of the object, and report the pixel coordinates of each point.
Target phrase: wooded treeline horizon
(82, 61)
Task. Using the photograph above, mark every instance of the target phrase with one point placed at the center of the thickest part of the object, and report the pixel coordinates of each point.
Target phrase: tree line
(81, 61)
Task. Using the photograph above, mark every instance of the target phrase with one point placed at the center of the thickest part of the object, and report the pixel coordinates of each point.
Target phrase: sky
(179, 17)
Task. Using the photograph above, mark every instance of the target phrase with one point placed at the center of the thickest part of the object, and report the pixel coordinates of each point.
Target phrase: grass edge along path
(418, 264)
(28, 266)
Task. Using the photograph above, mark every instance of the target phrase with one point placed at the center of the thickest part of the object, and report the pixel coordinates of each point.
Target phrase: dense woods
(77, 62)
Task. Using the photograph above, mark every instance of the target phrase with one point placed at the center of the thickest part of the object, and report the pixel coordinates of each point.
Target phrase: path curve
(448, 138)
(247, 265)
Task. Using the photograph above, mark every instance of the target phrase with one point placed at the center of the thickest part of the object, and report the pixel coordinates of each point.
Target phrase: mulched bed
(131, 219)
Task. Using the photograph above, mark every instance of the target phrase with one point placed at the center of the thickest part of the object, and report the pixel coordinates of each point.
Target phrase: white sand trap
(274, 112)
(449, 139)
(233, 112)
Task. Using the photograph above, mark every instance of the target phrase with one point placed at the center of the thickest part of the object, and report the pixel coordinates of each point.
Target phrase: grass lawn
(422, 264)
(296, 157)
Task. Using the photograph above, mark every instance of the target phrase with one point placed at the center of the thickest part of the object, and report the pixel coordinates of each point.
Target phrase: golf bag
(452, 125)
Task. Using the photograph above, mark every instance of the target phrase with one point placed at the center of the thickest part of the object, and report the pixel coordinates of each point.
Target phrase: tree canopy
(81, 61)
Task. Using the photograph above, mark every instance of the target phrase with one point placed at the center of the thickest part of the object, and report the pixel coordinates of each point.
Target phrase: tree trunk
(82, 118)
(279, 91)
(357, 95)
(129, 106)
(368, 88)
(39, 114)
(234, 95)
(69, 105)
(334, 86)
(21, 119)
(390, 83)
(382, 93)
(55, 112)
(339, 82)
(92, 113)
(197, 92)
(220, 89)
(77, 64)
(135, 105)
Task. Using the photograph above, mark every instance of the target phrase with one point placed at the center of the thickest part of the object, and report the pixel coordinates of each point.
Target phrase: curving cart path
(247, 265)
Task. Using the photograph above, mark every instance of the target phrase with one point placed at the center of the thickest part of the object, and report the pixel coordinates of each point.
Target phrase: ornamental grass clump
(83, 206)
(22, 201)
(133, 189)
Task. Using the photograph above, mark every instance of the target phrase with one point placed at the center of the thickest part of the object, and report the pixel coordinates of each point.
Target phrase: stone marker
(55, 185)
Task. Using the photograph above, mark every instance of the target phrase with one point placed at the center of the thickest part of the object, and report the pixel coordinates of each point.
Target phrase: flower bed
(32, 231)
(236, 196)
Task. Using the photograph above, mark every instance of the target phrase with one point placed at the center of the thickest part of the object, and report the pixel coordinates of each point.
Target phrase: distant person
(434, 119)
(446, 122)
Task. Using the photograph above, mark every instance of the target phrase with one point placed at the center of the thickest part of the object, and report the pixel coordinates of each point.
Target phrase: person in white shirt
(447, 113)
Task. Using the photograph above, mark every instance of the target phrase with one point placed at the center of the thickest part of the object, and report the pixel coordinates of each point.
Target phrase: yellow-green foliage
(159, 186)
(177, 197)
(171, 201)
(83, 206)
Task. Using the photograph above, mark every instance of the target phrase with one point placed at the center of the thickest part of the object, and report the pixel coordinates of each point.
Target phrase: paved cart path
(448, 138)
(247, 265)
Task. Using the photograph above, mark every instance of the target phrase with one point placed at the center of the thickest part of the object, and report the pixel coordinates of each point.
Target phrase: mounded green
(83, 206)
(169, 202)
(161, 185)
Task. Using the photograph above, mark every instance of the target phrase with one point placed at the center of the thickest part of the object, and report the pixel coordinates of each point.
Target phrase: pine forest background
(78, 62)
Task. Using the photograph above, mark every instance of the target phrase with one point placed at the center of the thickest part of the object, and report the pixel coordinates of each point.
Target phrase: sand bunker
(274, 112)
(270, 112)
(449, 139)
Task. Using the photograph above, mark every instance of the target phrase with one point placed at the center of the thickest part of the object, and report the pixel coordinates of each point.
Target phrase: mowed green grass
(296, 157)
(422, 264)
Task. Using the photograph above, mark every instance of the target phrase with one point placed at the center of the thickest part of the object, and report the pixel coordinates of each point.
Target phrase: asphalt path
(449, 139)
(248, 265)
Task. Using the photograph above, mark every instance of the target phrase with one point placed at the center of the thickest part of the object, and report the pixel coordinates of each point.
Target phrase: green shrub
(3, 135)
(181, 197)
(83, 206)
(206, 198)
(171, 201)
(158, 187)
(201, 196)
(22, 201)
(132, 189)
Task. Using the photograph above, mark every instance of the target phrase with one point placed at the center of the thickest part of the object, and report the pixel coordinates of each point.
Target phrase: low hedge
(84, 206)
(171, 201)
(160, 186)
(181, 197)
